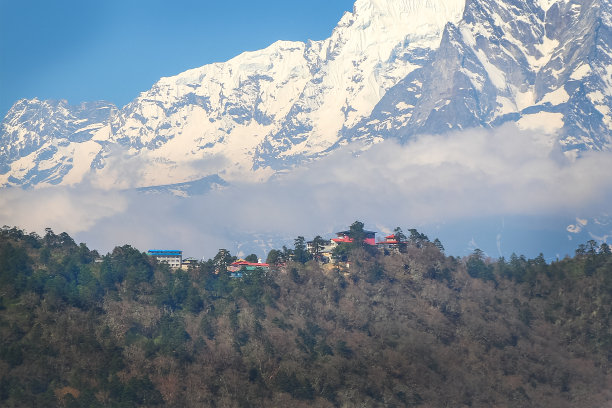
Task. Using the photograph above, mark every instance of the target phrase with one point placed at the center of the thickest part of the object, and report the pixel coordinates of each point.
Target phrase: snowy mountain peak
(390, 69)
(413, 18)
(444, 10)
(543, 64)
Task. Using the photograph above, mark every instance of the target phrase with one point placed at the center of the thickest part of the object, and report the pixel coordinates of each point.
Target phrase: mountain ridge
(509, 82)
(390, 69)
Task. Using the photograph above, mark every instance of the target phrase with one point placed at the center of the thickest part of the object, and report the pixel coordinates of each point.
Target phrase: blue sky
(112, 50)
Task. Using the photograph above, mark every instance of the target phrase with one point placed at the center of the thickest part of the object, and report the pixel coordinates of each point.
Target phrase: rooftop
(348, 232)
(165, 252)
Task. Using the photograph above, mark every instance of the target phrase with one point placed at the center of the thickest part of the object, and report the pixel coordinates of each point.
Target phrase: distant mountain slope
(391, 69)
(261, 110)
(46, 141)
(546, 66)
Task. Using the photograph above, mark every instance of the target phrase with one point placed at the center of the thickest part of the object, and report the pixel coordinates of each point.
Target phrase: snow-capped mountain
(42, 141)
(544, 64)
(391, 68)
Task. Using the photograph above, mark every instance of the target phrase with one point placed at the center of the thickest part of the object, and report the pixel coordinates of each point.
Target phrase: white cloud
(63, 208)
(578, 227)
(432, 180)
(502, 171)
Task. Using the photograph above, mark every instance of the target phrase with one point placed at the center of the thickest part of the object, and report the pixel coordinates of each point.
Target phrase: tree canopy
(80, 329)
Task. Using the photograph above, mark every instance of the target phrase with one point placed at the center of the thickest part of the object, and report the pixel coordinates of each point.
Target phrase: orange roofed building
(390, 242)
(344, 237)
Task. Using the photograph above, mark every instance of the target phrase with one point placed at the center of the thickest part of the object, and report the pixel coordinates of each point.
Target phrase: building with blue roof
(174, 258)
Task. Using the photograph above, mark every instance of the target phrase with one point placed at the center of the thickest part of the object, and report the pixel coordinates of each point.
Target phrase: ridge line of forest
(412, 327)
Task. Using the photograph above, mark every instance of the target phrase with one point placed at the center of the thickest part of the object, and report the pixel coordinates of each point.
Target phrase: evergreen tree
(252, 258)
(439, 245)
(417, 239)
(476, 266)
(300, 254)
(400, 238)
(275, 257)
(318, 244)
(357, 233)
(222, 260)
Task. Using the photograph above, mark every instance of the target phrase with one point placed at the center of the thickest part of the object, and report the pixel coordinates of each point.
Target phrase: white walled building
(173, 258)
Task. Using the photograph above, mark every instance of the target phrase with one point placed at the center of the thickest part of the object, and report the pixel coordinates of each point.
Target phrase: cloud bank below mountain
(443, 185)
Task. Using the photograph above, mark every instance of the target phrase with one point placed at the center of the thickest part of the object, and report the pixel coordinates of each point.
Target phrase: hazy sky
(113, 49)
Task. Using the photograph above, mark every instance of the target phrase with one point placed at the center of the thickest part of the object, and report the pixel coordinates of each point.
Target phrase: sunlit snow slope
(544, 64)
(391, 69)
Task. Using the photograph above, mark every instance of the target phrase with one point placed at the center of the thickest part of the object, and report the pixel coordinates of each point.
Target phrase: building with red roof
(344, 237)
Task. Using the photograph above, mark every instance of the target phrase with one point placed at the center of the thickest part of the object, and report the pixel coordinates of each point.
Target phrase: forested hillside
(408, 328)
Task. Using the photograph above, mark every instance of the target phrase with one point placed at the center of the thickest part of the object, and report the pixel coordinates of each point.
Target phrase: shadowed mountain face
(549, 69)
(391, 69)
(43, 141)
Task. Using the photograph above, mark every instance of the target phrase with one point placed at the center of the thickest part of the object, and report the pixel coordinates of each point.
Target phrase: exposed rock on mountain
(391, 69)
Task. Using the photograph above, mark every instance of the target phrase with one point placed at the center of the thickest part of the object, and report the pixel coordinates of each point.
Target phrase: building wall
(172, 258)
(173, 261)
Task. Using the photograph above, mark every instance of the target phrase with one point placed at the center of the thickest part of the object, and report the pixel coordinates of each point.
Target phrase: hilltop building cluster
(321, 250)
(325, 252)
(174, 259)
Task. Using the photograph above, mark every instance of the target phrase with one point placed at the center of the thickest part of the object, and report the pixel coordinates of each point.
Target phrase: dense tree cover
(412, 328)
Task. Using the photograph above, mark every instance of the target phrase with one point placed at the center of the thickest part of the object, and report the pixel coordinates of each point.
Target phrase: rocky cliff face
(545, 66)
(47, 141)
